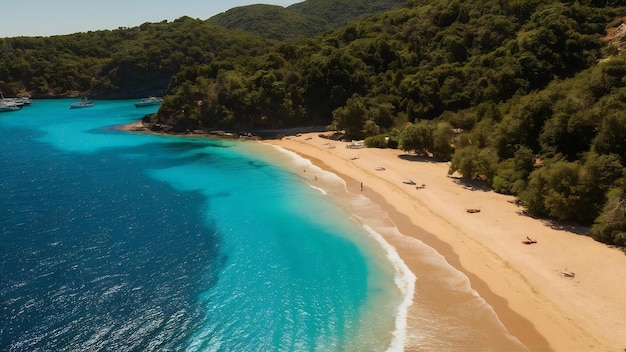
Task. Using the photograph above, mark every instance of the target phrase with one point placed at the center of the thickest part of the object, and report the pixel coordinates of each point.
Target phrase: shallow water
(123, 241)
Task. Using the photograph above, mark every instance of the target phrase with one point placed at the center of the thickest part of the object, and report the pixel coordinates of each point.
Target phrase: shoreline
(524, 284)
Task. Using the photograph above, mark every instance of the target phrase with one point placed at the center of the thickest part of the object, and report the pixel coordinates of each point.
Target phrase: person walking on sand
(361, 186)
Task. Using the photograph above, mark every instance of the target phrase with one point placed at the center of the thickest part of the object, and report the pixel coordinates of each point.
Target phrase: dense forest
(121, 63)
(528, 96)
(303, 19)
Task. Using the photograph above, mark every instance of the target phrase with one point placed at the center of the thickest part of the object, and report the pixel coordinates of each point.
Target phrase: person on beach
(529, 240)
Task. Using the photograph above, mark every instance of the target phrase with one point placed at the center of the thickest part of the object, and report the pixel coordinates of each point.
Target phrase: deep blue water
(123, 241)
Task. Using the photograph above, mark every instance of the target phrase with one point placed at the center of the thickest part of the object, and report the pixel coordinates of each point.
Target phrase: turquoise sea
(124, 241)
(121, 241)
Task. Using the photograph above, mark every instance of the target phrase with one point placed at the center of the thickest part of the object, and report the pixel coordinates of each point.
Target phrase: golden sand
(565, 292)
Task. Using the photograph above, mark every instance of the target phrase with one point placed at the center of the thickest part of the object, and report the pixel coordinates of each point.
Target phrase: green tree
(563, 198)
(610, 226)
(351, 117)
(512, 173)
(598, 175)
(556, 191)
(472, 162)
(612, 135)
(442, 141)
(417, 137)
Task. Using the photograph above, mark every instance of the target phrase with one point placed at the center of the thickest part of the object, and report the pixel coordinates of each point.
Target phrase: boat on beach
(84, 103)
(149, 101)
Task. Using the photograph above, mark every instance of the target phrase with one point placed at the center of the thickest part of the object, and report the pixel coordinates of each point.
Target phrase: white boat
(149, 101)
(8, 106)
(16, 101)
(23, 100)
(84, 103)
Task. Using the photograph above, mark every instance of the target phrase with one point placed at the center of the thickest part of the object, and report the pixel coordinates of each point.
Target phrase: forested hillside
(303, 19)
(417, 62)
(270, 21)
(339, 12)
(121, 63)
(139, 61)
(524, 95)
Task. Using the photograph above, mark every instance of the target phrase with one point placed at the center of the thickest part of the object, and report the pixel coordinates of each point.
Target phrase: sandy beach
(529, 286)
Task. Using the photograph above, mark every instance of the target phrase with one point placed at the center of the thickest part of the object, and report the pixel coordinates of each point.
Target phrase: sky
(49, 17)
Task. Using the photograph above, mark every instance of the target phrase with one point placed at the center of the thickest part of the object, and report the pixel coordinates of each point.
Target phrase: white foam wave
(375, 222)
(295, 158)
(306, 165)
(405, 281)
(321, 190)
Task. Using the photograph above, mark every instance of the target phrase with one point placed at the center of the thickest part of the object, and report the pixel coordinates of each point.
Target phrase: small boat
(409, 182)
(24, 100)
(149, 101)
(8, 106)
(84, 103)
(20, 101)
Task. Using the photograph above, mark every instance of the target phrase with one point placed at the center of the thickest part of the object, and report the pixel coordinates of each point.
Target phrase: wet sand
(526, 284)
